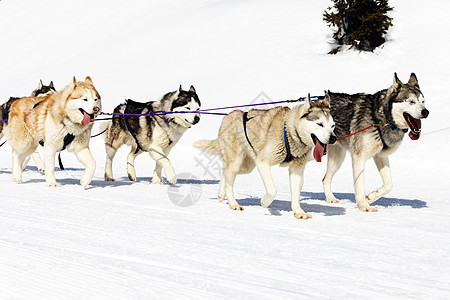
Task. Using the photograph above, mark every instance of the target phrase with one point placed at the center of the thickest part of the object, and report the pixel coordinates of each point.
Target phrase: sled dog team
(367, 125)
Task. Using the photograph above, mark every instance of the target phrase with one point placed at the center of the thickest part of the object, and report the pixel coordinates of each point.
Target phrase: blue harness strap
(67, 140)
(289, 155)
(385, 146)
(244, 122)
(136, 139)
(134, 136)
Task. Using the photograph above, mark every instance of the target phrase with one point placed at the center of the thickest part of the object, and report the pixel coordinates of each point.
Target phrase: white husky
(268, 137)
(59, 120)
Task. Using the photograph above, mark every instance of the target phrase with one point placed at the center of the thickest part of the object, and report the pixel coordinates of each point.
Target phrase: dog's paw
(132, 177)
(42, 170)
(156, 180)
(53, 184)
(236, 207)
(369, 208)
(221, 198)
(333, 200)
(364, 205)
(17, 180)
(109, 178)
(300, 214)
(266, 200)
(172, 179)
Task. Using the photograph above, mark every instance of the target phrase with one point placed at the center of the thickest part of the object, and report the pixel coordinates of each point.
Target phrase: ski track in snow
(127, 240)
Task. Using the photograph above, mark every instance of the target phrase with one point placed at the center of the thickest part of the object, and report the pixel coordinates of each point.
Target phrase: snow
(128, 240)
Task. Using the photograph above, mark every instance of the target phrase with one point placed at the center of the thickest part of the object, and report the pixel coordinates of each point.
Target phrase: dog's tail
(209, 146)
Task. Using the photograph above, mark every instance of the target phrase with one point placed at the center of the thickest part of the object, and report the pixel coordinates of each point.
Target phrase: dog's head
(407, 105)
(83, 103)
(43, 90)
(185, 101)
(316, 125)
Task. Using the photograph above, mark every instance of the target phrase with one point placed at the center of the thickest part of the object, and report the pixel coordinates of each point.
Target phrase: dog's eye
(85, 99)
(320, 124)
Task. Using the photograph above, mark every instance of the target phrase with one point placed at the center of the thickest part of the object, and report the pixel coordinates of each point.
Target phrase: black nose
(332, 139)
(196, 119)
(425, 112)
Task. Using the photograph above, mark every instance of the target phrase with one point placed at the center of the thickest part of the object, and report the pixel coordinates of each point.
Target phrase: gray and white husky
(393, 112)
(156, 134)
(263, 138)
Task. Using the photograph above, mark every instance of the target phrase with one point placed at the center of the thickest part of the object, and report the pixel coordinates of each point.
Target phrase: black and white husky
(155, 134)
(392, 112)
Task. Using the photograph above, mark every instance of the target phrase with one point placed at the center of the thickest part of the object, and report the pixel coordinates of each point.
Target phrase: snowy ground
(129, 240)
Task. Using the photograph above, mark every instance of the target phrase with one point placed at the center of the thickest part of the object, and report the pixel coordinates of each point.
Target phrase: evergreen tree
(360, 23)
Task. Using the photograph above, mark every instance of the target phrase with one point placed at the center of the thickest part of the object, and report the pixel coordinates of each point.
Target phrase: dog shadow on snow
(327, 208)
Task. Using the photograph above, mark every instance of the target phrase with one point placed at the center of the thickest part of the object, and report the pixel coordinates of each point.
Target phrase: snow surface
(129, 240)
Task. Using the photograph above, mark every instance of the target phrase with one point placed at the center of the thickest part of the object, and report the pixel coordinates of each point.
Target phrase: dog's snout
(196, 119)
(332, 139)
(425, 112)
(96, 109)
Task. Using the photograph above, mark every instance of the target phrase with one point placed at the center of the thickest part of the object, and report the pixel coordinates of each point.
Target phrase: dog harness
(391, 126)
(289, 155)
(139, 148)
(66, 142)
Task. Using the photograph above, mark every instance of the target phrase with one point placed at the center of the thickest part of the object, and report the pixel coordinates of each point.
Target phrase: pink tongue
(414, 136)
(318, 151)
(86, 119)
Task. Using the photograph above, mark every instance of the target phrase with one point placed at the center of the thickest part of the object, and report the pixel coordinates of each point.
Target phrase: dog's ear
(51, 85)
(413, 80)
(397, 82)
(180, 89)
(192, 89)
(326, 101)
(40, 84)
(89, 80)
(307, 104)
(74, 81)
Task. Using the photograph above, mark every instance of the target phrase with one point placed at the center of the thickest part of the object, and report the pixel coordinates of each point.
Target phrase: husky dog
(269, 137)
(59, 120)
(41, 91)
(392, 112)
(155, 134)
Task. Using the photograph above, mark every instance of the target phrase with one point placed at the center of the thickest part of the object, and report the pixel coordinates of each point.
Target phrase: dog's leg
(130, 163)
(221, 195)
(110, 153)
(84, 155)
(229, 176)
(37, 159)
(358, 180)
(17, 163)
(160, 157)
(271, 190)
(382, 163)
(25, 162)
(156, 179)
(296, 184)
(49, 158)
(336, 155)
